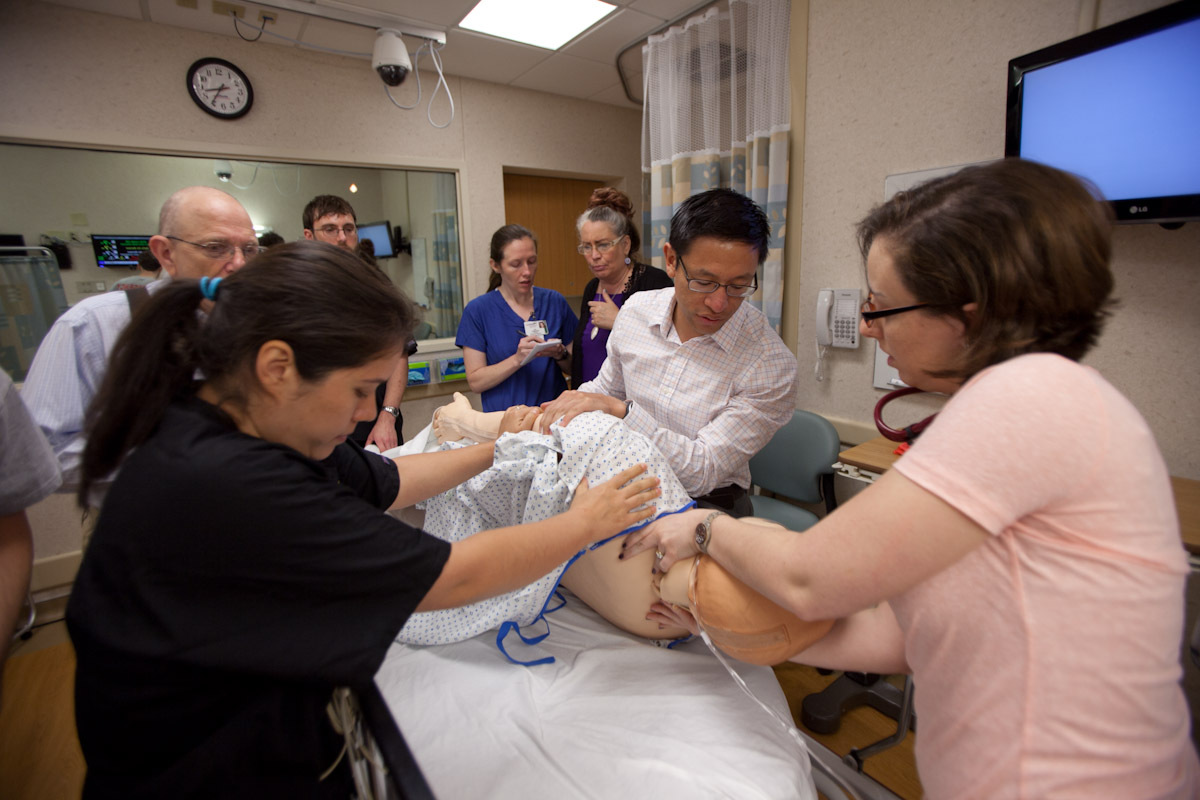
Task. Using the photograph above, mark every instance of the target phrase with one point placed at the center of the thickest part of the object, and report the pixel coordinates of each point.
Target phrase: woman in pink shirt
(1023, 559)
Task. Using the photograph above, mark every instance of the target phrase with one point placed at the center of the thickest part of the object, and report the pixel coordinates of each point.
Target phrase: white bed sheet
(614, 717)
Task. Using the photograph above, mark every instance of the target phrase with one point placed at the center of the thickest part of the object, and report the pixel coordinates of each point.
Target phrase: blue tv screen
(1119, 106)
(380, 234)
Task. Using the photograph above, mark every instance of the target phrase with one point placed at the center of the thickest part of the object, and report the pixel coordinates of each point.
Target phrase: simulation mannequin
(741, 622)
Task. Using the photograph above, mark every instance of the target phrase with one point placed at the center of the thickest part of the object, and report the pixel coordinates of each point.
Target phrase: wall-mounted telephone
(837, 317)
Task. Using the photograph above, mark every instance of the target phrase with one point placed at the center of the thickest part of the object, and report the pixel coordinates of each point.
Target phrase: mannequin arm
(459, 420)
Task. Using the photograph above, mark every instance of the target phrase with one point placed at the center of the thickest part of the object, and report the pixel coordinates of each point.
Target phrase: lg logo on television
(1138, 209)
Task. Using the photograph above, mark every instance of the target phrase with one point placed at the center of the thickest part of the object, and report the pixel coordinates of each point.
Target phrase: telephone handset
(837, 317)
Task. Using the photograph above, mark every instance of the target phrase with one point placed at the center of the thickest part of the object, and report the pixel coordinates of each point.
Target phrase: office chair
(797, 464)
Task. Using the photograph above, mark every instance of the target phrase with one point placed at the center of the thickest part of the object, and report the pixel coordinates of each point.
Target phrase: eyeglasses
(708, 287)
(870, 313)
(220, 250)
(599, 247)
(332, 230)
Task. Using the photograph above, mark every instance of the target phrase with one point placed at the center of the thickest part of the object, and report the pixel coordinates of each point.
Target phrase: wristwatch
(704, 530)
(395, 412)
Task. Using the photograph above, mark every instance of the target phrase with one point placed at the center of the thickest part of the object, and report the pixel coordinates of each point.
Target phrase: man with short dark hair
(694, 367)
(330, 219)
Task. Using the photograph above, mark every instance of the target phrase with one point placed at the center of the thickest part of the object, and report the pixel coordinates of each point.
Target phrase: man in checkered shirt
(696, 368)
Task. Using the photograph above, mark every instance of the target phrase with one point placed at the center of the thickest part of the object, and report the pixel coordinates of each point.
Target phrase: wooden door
(549, 208)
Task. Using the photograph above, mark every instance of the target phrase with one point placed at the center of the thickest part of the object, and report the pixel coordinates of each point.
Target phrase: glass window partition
(61, 196)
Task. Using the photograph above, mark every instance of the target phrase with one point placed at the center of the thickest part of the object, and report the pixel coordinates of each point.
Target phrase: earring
(628, 260)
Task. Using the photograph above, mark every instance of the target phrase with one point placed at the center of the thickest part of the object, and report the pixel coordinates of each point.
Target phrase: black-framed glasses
(599, 247)
(870, 313)
(708, 287)
(332, 230)
(220, 250)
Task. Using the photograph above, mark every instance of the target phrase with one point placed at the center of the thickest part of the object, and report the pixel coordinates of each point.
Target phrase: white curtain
(716, 113)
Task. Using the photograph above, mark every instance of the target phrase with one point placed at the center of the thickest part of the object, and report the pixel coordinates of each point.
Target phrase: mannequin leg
(741, 622)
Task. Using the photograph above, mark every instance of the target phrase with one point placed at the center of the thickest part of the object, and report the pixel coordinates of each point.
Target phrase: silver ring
(658, 554)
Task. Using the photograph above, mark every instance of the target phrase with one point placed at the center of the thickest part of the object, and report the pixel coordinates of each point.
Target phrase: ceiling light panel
(542, 23)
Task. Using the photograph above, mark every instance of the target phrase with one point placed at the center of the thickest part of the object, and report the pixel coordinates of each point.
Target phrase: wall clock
(220, 88)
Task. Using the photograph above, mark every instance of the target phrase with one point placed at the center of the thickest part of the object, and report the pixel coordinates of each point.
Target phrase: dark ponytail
(334, 310)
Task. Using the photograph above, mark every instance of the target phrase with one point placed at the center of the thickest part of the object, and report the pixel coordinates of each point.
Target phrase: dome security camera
(390, 58)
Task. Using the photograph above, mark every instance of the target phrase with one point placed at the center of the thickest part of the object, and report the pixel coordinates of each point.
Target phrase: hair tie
(209, 286)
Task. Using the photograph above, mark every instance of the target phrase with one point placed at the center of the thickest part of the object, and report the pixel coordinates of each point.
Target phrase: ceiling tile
(606, 40)
(485, 58)
(435, 13)
(666, 9)
(574, 77)
(615, 95)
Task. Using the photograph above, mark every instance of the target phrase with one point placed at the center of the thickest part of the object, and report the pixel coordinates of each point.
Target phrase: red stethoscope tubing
(907, 434)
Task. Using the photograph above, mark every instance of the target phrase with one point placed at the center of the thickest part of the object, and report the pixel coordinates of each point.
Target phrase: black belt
(733, 498)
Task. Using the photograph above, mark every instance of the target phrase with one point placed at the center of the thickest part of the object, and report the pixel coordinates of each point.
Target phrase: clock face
(220, 88)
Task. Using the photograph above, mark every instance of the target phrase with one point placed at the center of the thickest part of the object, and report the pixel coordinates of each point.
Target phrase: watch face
(220, 88)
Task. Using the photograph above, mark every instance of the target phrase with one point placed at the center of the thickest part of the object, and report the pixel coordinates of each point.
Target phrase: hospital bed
(611, 716)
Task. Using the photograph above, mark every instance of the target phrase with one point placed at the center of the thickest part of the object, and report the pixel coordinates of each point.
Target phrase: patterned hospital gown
(528, 482)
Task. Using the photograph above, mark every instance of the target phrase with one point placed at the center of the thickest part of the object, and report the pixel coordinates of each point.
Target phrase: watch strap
(395, 412)
(704, 530)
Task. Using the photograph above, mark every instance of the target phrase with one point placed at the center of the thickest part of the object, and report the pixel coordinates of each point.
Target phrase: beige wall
(76, 77)
(80, 78)
(899, 87)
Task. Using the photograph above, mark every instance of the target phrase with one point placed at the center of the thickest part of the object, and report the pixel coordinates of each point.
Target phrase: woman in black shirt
(213, 615)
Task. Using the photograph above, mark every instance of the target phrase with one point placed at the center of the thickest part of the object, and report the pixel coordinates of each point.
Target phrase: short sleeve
(28, 469)
(1015, 439)
(371, 476)
(471, 332)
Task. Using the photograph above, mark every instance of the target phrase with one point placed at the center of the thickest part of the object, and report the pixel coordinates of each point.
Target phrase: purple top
(595, 350)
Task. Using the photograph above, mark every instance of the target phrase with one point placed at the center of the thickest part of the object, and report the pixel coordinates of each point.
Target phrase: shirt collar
(725, 338)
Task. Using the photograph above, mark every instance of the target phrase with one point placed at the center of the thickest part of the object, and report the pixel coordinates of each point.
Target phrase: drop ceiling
(585, 68)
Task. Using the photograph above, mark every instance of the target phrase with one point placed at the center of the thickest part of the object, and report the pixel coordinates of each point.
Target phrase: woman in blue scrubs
(501, 328)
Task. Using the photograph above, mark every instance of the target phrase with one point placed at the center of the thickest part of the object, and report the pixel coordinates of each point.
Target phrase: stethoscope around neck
(908, 434)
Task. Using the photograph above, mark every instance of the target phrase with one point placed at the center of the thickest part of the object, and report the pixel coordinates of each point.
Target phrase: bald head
(197, 216)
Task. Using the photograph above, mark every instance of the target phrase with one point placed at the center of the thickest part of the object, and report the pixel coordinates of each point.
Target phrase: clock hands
(218, 90)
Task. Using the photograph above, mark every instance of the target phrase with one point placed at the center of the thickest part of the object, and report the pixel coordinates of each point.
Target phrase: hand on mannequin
(570, 404)
(515, 419)
(608, 504)
(668, 616)
(458, 420)
(673, 535)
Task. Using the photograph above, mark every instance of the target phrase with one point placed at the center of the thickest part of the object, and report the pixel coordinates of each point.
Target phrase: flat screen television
(1119, 106)
(380, 234)
(119, 251)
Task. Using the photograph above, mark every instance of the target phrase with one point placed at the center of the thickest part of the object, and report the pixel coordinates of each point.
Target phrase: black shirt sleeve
(371, 476)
